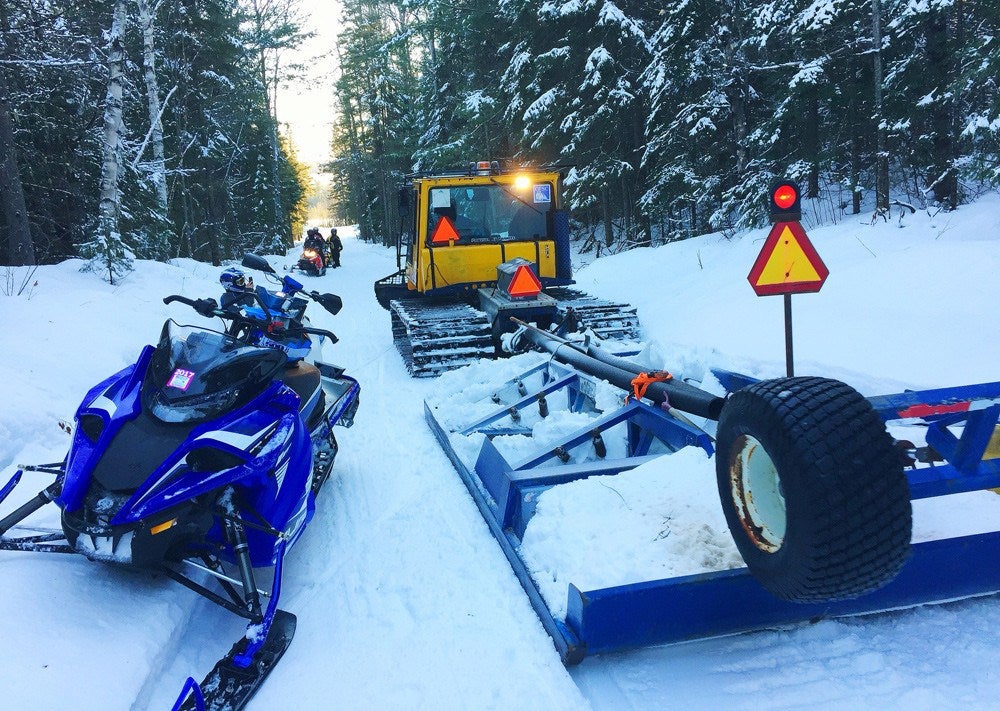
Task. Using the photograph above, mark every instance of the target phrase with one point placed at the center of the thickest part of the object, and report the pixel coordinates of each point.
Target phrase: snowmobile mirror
(331, 302)
(252, 261)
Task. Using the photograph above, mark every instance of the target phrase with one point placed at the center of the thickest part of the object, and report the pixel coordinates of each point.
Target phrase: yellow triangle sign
(788, 263)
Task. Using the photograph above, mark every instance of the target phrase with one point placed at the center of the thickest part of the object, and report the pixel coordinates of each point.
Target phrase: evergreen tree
(375, 93)
(461, 103)
(189, 171)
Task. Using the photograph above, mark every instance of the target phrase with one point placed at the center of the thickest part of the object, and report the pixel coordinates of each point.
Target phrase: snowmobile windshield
(491, 213)
(196, 374)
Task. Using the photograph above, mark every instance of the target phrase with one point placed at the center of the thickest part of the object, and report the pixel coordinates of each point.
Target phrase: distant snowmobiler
(315, 254)
(336, 247)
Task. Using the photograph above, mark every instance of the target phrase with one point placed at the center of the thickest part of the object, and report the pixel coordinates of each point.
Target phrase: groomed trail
(403, 598)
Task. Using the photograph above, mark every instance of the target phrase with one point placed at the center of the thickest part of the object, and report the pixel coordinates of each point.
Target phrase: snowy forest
(146, 129)
(673, 117)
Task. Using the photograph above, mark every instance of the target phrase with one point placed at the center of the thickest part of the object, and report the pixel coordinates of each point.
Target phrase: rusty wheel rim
(756, 490)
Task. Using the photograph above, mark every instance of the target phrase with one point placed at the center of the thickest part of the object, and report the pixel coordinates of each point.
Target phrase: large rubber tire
(812, 488)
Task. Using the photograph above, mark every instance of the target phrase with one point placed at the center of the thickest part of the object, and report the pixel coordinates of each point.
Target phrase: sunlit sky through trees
(305, 107)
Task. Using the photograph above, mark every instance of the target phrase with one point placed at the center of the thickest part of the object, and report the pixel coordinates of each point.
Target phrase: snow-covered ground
(403, 598)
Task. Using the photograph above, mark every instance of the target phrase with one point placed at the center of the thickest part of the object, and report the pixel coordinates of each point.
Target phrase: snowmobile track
(434, 338)
(610, 320)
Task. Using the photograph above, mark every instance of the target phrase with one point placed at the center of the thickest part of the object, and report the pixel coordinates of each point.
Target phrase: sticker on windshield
(543, 193)
(180, 379)
(440, 197)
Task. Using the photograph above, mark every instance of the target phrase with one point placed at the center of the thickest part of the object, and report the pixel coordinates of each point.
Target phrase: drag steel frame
(726, 602)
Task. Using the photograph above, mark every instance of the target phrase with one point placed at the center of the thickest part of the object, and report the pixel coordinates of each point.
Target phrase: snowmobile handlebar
(205, 307)
(210, 308)
(331, 302)
(316, 332)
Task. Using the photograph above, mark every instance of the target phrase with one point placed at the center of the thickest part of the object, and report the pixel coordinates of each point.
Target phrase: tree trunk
(734, 89)
(109, 247)
(881, 152)
(942, 177)
(626, 213)
(959, 102)
(281, 238)
(20, 249)
(855, 172)
(609, 233)
(159, 173)
(637, 176)
(812, 141)
(217, 218)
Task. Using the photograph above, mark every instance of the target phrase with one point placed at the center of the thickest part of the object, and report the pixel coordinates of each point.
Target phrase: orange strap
(643, 381)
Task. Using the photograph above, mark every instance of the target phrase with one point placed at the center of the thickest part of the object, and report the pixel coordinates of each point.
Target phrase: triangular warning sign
(444, 231)
(787, 263)
(524, 283)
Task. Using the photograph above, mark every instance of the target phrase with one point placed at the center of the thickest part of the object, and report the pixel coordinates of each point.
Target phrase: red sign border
(795, 287)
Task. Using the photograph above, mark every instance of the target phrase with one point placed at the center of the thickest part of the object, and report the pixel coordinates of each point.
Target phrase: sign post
(788, 263)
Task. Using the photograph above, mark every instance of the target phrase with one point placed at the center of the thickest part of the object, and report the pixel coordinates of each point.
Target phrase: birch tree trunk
(159, 175)
(109, 252)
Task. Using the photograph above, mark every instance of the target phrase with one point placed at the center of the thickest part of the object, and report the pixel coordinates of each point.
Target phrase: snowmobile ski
(229, 687)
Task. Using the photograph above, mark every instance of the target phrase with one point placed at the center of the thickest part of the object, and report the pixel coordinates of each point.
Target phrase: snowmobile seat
(304, 379)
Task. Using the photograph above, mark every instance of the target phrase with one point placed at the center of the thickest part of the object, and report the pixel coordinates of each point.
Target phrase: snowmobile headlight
(193, 409)
(92, 426)
(308, 253)
(210, 459)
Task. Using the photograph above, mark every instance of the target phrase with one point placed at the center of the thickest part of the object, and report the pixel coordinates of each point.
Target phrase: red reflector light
(784, 196)
(524, 283)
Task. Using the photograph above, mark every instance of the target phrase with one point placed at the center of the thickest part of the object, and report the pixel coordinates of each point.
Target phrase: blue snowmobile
(203, 460)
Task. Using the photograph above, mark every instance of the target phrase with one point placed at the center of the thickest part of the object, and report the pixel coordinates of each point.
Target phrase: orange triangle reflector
(524, 283)
(444, 231)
